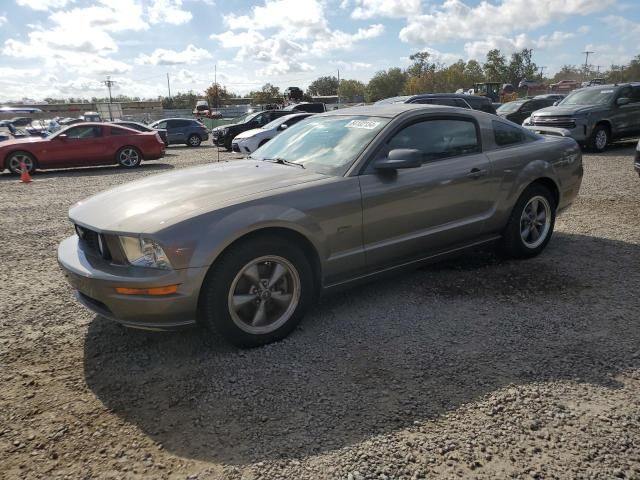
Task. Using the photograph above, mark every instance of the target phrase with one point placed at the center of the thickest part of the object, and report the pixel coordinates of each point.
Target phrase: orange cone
(24, 173)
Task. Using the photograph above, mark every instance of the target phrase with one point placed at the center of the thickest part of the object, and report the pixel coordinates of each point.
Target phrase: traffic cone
(24, 173)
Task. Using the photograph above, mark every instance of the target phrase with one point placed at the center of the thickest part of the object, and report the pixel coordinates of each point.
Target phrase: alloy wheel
(129, 157)
(264, 295)
(535, 221)
(16, 161)
(601, 139)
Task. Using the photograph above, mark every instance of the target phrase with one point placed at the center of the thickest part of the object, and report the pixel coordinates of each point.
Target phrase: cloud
(584, 29)
(168, 11)
(3, 20)
(622, 26)
(44, 5)
(366, 9)
(478, 49)
(454, 19)
(353, 66)
(556, 38)
(286, 34)
(161, 56)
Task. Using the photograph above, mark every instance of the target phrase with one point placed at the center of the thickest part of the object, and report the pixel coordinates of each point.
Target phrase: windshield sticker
(606, 91)
(367, 125)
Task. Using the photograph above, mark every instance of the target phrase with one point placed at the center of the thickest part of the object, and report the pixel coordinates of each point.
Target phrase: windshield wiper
(282, 161)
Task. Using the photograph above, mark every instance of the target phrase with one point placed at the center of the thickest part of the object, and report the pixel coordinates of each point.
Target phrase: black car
(518, 110)
(224, 134)
(556, 97)
(308, 107)
(144, 128)
(475, 102)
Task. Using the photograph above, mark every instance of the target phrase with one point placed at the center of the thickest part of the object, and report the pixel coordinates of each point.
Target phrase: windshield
(326, 145)
(510, 107)
(278, 121)
(589, 96)
(244, 118)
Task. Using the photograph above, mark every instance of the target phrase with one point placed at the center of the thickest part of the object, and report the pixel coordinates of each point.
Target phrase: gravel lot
(474, 368)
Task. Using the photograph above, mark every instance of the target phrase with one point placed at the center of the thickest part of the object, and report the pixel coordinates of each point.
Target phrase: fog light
(156, 291)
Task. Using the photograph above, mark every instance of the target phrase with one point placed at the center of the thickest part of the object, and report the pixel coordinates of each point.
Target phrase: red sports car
(82, 145)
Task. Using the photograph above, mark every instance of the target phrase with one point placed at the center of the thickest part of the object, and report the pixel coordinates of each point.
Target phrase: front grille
(93, 242)
(559, 122)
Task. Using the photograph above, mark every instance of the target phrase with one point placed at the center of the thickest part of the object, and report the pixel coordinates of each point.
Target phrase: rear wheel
(599, 138)
(258, 291)
(194, 141)
(531, 223)
(129, 157)
(16, 159)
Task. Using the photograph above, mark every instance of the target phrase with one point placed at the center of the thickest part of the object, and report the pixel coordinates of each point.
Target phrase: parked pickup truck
(593, 116)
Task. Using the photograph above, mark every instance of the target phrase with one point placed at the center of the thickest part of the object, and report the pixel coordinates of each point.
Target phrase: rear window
(120, 131)
(506, 135)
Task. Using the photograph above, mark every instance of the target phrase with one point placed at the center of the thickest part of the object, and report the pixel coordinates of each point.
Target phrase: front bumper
(580, 133)
(95, 280)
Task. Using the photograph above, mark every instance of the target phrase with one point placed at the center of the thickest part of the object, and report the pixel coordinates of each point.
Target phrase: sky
(66, 48)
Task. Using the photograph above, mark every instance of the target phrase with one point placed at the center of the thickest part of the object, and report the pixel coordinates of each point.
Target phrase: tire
(517, 241)
(194, 141)
(257, 318)
(129, 157)
(599, 139)
(14, 160)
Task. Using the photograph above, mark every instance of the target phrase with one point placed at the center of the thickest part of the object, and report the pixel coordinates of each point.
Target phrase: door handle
(476, 173)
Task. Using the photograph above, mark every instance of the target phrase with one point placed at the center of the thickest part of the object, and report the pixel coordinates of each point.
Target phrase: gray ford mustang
(246, 246)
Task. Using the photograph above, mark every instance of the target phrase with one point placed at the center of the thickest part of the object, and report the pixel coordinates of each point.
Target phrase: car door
(622, 115)
(413, 213)
(79, 145)
(632, 111)
(175, 131)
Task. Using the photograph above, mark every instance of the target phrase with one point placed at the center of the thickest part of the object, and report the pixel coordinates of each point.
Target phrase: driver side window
(84, 132)
(437, 139)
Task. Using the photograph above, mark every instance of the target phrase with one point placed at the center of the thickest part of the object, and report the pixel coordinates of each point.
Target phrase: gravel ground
(474, 368)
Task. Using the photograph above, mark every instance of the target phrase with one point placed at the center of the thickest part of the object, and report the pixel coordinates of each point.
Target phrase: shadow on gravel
(379, 357)
(92, 171)
(617, 149)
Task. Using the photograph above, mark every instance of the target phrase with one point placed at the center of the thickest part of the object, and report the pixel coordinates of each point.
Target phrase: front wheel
(17, 159)
(599, 139)
(194, 141)
(531, 223)
(129, 157)
(258, 291)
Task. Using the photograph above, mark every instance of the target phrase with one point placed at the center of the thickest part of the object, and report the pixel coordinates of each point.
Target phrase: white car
(251, 140)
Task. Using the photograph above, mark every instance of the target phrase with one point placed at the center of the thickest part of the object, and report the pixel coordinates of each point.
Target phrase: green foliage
(217, 95)
(323, 86)
(267, 94)
(384, 84)
(351, 89)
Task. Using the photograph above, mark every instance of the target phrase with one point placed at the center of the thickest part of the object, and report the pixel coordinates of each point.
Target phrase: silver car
(246, 246)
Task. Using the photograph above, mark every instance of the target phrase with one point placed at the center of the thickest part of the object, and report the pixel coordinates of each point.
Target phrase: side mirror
(623, 101)
(284, 126)
(400, 158)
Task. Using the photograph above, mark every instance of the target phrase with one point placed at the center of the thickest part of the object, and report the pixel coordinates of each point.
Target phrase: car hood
(18, 141)
(569, 110)
(250, 133)
(154, 203)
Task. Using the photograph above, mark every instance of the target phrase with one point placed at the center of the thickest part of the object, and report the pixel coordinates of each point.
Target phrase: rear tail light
(159, 139)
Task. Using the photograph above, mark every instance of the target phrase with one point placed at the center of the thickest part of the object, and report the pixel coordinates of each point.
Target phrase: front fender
(207, 236)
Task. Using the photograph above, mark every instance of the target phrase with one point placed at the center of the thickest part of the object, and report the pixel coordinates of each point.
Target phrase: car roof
(392, 110)
(175, 118)
(613, 85)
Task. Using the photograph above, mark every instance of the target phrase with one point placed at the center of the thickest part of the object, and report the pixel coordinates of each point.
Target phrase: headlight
(143, 252)
(526, 121)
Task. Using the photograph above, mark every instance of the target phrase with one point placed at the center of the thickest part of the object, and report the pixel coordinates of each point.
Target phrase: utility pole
(169, 86)
(338, 92)
(586, 59)
(109, 83)
(542, 68)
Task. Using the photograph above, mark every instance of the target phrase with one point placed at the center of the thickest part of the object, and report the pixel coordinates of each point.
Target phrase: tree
(520, 67)
(384, 84)
(217, 95)
(421, 64)
(294, 94)
(267, 94)
(495, 67)
(473, 73)
(181, 100)
(323, 87)
(352, 89)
